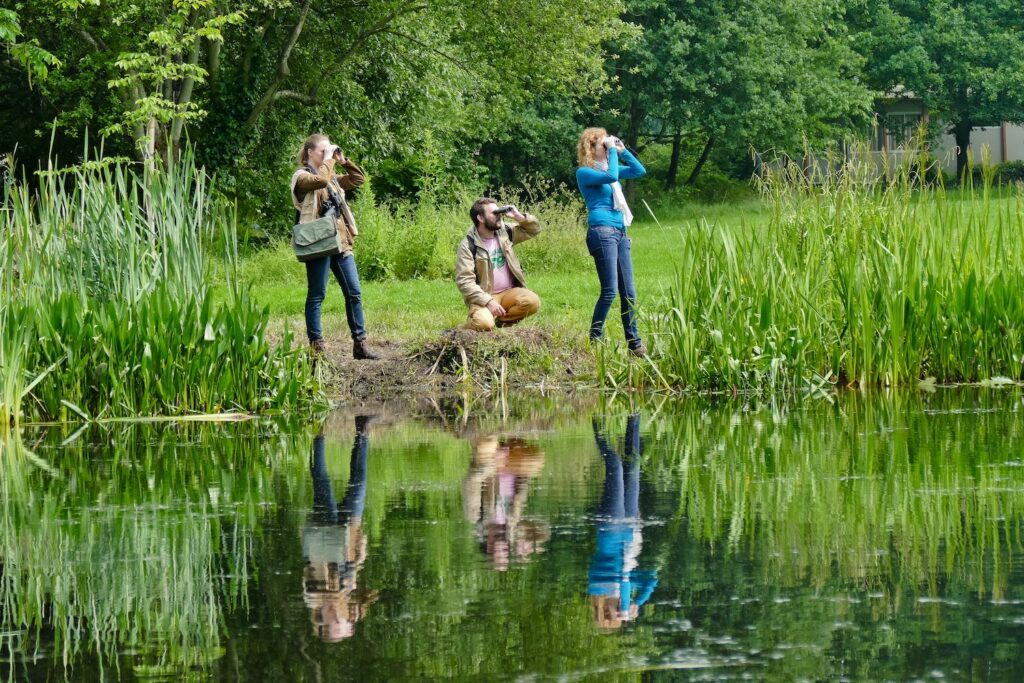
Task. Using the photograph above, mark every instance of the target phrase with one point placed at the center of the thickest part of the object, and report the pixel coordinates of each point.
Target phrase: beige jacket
(309, 190)
(473, 274)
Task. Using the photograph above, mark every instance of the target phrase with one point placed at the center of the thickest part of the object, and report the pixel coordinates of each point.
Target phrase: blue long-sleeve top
(596, 187)
(608, 573)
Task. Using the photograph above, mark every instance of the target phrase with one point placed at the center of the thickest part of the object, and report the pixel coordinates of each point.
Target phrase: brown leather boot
(361, 352)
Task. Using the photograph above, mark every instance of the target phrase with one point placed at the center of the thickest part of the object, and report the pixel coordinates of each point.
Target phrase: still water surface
(867, 539)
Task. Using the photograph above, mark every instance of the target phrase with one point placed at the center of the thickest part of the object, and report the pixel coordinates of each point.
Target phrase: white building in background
(900, 117)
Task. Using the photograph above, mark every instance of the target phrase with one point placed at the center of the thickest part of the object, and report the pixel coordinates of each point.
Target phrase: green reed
(103, 274)
(857, 278)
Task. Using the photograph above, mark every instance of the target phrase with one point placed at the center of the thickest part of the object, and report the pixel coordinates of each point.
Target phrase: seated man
(487, 271)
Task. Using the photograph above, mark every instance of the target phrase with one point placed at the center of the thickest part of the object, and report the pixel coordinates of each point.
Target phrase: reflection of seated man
(494, 496)
(616, 587)
(334, 545)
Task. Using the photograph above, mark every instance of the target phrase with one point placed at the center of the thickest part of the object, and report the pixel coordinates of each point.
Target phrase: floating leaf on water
(997, 382)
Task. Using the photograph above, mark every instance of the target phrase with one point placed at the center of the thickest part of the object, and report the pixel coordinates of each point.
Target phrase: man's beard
(492, 223)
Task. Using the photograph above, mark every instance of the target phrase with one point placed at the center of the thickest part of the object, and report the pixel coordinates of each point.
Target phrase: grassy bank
(849, 282)
(414, 312)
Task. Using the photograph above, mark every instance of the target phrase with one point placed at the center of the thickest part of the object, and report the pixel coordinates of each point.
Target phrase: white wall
(980, 138)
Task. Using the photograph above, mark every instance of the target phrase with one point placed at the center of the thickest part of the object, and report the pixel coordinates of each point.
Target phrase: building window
(897, 129)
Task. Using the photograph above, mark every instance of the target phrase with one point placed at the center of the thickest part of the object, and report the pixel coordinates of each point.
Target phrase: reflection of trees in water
(136, 549)
(865, 492)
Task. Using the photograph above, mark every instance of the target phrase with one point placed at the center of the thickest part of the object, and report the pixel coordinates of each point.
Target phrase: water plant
(104, 305)
(859, 277)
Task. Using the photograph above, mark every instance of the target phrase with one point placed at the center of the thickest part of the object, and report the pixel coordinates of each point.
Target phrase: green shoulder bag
(316, 239)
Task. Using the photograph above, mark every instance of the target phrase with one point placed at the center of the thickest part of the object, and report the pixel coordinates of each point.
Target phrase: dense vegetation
(145, 557)
(442, 95)
(852, 280)
(105, 310)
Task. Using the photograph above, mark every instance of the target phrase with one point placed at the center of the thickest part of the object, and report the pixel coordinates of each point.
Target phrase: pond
(862, 538)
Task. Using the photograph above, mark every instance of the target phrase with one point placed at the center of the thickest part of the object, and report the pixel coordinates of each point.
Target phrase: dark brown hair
(477, 209)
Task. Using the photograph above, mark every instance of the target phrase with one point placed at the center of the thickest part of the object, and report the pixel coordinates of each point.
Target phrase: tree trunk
(184, 98)
(213, 63)
(701, 161)
(636, 119)
(673, 164)
(962, 135)
(631, 139)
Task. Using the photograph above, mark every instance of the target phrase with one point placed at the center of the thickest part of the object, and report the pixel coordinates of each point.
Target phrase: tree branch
(354, 47)
(430, 48)
(254, 45)
(282, 68)
(381, 26)
(310, 99)
(95, 43)
(185, 94)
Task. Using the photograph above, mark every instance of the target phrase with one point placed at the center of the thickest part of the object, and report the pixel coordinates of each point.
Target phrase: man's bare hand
(516, 214)
(495, 308)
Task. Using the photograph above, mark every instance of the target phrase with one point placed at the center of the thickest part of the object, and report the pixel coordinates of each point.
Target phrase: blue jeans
(326, 509)
(344, 268)
(610, 248)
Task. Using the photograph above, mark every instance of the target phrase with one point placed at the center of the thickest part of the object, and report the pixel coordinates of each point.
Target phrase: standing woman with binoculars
(317, 190)
(603, 162)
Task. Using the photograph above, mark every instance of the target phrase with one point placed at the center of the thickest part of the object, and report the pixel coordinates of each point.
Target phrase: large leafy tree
(963, 58)
(762, 73)
(429, 80)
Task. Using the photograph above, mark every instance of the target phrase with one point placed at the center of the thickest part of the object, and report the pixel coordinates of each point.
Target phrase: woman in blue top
(604, 161)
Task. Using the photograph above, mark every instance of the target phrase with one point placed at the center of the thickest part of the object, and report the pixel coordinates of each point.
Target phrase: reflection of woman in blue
(334, 545)
(616, 587)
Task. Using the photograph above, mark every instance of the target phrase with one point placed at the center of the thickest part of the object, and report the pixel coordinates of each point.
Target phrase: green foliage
(1010, 172)
(405, 240)
(36, 61)
(406, 87)
(963, 58)
(763, 74)
(104, 278)
(853, 280)
(713, 186)
(121, 551)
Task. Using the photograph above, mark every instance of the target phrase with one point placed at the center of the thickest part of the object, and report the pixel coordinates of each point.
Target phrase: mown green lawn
(414, 311)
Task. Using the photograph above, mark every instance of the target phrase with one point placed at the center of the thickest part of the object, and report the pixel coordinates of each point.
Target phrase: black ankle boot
(360, 352)
(363, 422)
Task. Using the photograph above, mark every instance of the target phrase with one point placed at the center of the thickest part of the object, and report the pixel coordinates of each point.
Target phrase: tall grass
(417, 240)
(103, 299)
(856, 279)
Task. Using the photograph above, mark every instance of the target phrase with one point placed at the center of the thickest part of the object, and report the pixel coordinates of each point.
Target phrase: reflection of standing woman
(334, 545)
(313, 185)
(604, 161)
(616, 587)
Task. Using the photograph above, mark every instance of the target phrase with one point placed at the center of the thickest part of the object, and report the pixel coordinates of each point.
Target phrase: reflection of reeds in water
(861, 494)
(139, 553)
